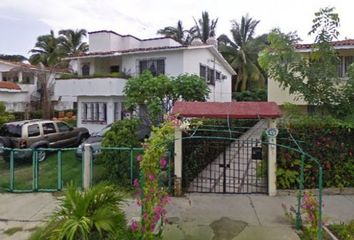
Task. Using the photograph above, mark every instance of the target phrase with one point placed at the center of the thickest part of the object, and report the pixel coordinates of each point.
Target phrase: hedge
(328, 140)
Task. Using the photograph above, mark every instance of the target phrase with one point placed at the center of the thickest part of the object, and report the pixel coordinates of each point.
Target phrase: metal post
(272, 158)
(87, 166)
(59, 171)
(131, 167)
(319, 232)
(298, 222)
(33, 171)
(12, 173)
(178, 162)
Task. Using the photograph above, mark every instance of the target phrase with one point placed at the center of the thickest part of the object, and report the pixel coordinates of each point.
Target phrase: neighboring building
(345, 50)
(18, 85)
(97, 90)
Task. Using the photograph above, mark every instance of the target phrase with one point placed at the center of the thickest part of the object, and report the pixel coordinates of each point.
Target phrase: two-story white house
(18, 85)
(97, 89)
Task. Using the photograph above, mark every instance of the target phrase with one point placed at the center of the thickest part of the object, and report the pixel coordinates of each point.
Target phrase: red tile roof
(347, 42)
(237, 110)
(9, 85)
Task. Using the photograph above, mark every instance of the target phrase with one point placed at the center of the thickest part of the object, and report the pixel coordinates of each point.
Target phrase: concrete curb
(326, 191)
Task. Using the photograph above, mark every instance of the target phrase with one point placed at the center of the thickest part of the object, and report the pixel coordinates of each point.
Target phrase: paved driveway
(194, 217)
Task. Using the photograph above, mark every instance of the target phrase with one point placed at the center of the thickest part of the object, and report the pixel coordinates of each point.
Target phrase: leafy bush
(254, 95)
(117, 162)
(91, 214)
(329, 140)
(5, 116)
(343, 231)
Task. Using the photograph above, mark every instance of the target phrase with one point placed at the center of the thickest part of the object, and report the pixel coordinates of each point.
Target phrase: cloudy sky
(21, 21)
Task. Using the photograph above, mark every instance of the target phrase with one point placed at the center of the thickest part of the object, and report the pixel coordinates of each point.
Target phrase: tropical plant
(205, 27)
(4, 115)
(71, 41)
(46, 50)
(242, 53)
(189, 87)
(91, 214)
(178, 33)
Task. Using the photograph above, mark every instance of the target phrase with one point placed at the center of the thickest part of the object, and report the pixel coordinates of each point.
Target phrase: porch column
(178, 162)
(272, 156)
(20, 77)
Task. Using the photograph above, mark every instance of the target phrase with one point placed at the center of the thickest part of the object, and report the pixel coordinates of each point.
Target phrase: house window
(344, 63)
(94, 112)
(85, 69)
(207, 73)
(114, 69)
(155, 66)
(217, 75)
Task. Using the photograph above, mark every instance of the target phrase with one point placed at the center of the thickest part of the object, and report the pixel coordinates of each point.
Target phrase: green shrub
(254, 95)
(123, 134)
(343, 231)
(5, 116)
(329, 140)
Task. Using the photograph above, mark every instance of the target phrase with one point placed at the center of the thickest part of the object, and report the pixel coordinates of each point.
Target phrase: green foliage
(155, 94)
(286, 178)
(117, 163)
(343, 231)
(254, 95)
(178, 33)
(5, 116)
(91, 214)
(205, 27)
(189, 88)
(327, 139)
(313, 76)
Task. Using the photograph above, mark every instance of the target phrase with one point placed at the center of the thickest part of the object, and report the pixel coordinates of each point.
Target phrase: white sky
(21, 21)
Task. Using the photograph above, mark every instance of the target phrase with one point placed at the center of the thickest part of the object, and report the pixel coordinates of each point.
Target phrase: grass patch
(343, 231)
(12, 231)
(47, 172)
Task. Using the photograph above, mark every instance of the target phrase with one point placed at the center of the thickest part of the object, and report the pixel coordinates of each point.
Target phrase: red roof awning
(9, 85)
(235, 110)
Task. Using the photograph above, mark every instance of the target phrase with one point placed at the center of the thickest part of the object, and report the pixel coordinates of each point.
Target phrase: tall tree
(204, 27)
(178, 33)
(313, 77)
(71, 41)
(46, 50)
(242, 53)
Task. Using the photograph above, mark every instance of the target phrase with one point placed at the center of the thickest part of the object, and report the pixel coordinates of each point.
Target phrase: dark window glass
(211, 76)
(48, 128)
(202, 72)
(11, 130)
(85, 70)
(217, 75)
(63, 127)
(33, 130)
(156, 67)
(348, 61)
(115, 69)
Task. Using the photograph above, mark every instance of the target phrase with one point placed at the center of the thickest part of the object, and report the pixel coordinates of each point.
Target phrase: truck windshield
(10, 130)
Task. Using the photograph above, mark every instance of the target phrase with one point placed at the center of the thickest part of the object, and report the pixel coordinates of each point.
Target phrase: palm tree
(204, 28)
(46, 50)
(178, 33)
(71, 41)
(92, 214)
(242, 53)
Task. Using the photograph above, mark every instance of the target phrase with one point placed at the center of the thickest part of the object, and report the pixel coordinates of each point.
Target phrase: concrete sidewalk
(206, 216)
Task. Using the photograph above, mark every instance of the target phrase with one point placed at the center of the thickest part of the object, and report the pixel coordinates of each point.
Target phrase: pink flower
(139, 158)
(151, 177)
(163, 163)
(134, 226)
(136, 183)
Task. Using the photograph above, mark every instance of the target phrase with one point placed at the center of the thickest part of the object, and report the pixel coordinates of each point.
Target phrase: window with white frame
(155, 66)
(343, 65)
(85, 69)
(94, 112)
(208, 74)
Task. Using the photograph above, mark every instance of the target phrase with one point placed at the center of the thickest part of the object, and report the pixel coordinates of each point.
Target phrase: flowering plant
(152, 197)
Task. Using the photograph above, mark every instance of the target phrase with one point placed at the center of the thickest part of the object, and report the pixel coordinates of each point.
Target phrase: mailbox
(257, 153)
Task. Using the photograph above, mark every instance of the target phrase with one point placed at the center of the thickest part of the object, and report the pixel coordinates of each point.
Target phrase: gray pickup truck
(32, 134)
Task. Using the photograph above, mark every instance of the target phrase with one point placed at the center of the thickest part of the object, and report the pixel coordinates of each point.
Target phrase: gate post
(272, 156)
(86, 166)
(178, 161)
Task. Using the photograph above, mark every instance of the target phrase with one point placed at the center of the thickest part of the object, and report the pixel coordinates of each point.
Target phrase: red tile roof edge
(238, 110)
(347, 42)
(9, 85)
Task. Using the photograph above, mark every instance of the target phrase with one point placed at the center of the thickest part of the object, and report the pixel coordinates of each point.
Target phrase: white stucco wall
(173, 62)
(69, 89)
(222, 91)
(15, 101)
(109, 100)
(280, 96)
